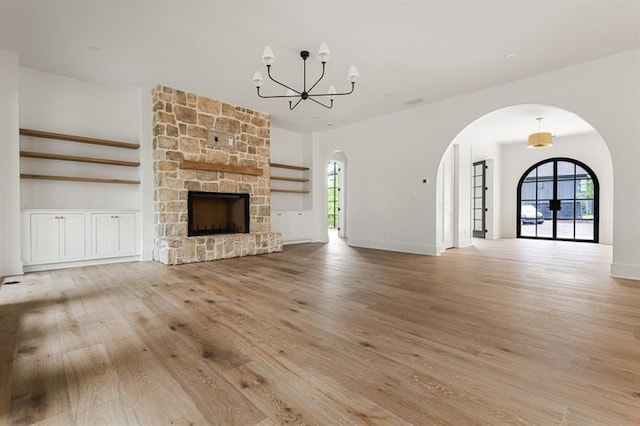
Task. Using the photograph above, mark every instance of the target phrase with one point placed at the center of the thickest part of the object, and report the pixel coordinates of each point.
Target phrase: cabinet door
(125, 234)
(45, 241)
(279, 223)
(72, 236)
(299, 226)
(102, 235)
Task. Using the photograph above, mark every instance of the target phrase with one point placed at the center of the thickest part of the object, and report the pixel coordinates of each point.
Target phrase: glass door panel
(478, 207)
(544, 223)
(563, 193)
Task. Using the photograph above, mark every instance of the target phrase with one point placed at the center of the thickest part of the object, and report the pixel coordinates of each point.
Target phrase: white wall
(10, 262)
(588, 148)
(389, 155)
(55, 103)
(388, 204)
(291, 148)
(146, 173)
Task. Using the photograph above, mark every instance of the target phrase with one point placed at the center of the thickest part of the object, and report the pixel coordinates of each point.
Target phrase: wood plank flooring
(508, 332)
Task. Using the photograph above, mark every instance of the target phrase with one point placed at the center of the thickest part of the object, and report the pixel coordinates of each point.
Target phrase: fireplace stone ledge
(180, 250)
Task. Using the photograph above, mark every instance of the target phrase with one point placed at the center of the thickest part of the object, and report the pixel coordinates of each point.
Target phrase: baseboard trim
(286, 243)
(79, 263)
(394, 246)
(621, 270)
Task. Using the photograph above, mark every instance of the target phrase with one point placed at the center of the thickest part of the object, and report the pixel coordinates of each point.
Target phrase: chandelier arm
(320, 103)
(275, 96)
(291, 108)
(276, 81)
(318, 81)
(353, 86)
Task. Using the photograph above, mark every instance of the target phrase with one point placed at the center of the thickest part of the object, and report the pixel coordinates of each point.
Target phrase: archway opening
(499, 138)
(336, 199)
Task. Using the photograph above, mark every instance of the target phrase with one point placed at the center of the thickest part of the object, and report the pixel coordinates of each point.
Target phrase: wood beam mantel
(217, 167)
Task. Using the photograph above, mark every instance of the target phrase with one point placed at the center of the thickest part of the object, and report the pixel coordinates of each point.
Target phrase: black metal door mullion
(573, 201)
(482, 232)
(554, 223)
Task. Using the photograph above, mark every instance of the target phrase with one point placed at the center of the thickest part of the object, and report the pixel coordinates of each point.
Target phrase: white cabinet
(113, 234)
(279, 223)
(295, 226)
(56, 237)
(71, 236)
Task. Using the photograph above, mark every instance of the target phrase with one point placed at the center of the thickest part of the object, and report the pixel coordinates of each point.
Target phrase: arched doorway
(499, 138)
(336, 195)
(558, 199)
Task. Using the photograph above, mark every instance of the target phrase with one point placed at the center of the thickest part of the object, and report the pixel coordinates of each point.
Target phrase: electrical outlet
(221, 139)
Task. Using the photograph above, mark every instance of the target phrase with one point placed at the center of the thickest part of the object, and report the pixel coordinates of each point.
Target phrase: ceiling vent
(414, 101)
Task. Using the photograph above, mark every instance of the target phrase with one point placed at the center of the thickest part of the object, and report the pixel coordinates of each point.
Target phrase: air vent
(414, 101)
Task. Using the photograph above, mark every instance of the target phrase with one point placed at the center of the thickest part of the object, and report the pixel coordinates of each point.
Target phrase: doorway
(558, 199)
(334, 217)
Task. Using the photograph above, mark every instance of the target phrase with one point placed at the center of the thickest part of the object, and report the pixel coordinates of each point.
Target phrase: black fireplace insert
(218, 213)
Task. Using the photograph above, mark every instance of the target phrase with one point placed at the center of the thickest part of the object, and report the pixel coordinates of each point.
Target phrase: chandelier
(540, 139)
(302, 95)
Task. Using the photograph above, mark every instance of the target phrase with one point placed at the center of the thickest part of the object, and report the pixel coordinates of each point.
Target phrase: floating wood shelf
(216, 167)
(79, 179)
(290, 179)
(287, 166)
(81, 139)
(294, 191)
(32, 154)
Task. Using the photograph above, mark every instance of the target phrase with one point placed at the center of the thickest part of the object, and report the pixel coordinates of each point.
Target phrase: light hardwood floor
(507, 332)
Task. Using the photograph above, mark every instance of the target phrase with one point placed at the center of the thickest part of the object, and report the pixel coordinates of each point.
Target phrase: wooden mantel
(217, 167)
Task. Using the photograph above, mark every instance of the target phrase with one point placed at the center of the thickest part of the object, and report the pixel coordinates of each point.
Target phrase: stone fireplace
(205, 149)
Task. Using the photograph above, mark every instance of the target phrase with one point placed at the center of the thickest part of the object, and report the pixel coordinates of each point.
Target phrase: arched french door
(558, 200)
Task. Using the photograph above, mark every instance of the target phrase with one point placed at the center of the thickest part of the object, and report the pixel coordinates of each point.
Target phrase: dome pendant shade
(540, 140)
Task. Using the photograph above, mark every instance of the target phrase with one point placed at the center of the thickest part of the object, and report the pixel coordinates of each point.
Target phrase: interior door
(478, 202)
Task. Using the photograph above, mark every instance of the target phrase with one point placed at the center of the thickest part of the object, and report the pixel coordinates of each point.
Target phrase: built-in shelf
(294, 191)
(48, 156)
(217, 167)
(74, 138)
(288, 166)
(79, 179)
(290, 179)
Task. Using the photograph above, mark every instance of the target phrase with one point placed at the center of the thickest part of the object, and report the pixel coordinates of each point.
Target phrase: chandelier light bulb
(267, 56)
(332, 91)
(353, 74)
(323, 53)
(257, 79)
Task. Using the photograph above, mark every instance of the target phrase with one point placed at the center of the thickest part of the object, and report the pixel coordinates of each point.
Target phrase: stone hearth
(181, 122)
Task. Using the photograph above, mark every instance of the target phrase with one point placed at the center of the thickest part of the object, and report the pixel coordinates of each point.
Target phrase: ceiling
(405, 50)
(514, 124)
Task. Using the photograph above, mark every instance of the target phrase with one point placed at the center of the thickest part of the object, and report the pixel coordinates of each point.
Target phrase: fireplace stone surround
(181, 122)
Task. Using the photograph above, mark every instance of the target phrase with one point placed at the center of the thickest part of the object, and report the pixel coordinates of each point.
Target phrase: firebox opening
(218, 213)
